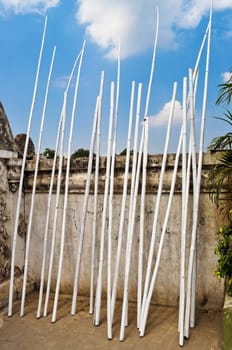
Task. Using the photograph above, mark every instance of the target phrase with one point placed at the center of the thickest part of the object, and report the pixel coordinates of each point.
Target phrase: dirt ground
(78, 332)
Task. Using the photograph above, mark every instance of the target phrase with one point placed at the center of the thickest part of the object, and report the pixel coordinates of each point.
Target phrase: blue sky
(101, 22)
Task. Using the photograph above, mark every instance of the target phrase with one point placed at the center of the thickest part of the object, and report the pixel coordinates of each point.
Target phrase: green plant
(221, 180)
(224, 252)
(81, 152)
(49, 153)
(225, 92)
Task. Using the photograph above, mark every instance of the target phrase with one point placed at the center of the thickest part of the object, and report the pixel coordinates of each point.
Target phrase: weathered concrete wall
(210, 291)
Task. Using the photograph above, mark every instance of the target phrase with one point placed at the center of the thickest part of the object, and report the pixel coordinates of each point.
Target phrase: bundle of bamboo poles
(190, 165)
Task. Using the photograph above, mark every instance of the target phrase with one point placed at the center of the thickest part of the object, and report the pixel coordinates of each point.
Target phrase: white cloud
(161, 118)
(135, 20)
(26, 6)
(226, 76)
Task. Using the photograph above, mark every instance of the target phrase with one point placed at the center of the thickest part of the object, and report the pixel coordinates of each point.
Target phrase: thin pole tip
(45, 21)
(84, 44)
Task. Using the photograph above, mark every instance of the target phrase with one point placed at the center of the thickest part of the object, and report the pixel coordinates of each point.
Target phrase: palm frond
(225, 92)
(221, 178)
(221, 142)
(228, 117)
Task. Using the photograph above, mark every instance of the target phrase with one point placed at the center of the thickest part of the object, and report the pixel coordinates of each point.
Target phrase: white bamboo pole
(50, 197)
(28, 236)
(133, 190)
(198, 183)
(84, 211)
(109, 248)
(183, 216)
(192, 128)
(184, 228)
(195, 77)
(125, 185)
(123, 206)
(185, 202)
(195, 72)
(139, 294)
(135, 145)
(130, 234)
(104, 213)
(134, 163)
(193, 157)
(95, 210)
(152, 64)
(66, 189)
(192, 303)
(42, 276)
(135, 150)
(164, 227)
(11, 287)
(109, 267)
(194, 170)
(158, 200)
(57, 203)
(141, 231)
(193, 293)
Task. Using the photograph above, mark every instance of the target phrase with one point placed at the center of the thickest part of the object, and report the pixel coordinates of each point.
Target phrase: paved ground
(78, 332)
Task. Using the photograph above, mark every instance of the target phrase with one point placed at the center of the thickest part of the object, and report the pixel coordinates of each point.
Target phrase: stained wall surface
(210, 291)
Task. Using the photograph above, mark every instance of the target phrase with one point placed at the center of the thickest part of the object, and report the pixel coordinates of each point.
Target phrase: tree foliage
(222, 180)
(222, 174)
(224, 252)
(80, 153)
(49, 153)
